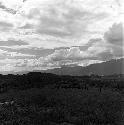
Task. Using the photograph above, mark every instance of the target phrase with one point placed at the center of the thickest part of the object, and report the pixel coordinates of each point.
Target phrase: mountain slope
(105, 68)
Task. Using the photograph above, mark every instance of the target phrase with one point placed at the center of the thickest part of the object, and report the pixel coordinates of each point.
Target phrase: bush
(106, 107)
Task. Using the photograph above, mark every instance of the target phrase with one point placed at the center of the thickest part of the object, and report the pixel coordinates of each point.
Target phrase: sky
(46, 34)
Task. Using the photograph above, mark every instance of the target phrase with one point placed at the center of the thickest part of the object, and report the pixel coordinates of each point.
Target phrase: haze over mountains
(106, 68)
(114, 66)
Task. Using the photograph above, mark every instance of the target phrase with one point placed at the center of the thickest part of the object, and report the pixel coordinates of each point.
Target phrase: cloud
(70, 23)
(118, 51)
(38, 52)
(114, 38)
(8, 65)
(67, 21)
(66, 56)
(5, 26)
(48, 33)
(27, 26)
(61, 19)
(12, 43)
(9, 10)
(5, 54)
(115, 34)
(96, 51)
(76, 56)
(72, 53)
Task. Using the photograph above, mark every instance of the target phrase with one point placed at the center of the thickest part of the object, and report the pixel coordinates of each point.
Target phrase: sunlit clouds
(43, 34)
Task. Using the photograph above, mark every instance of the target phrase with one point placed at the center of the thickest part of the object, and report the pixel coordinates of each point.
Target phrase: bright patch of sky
(43, 34)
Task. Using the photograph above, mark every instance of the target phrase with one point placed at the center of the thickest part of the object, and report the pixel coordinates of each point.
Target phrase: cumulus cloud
(73, 53)
(66, 20)
(48, 33)
(115, 34)
(63, 19)
(73, 56)
(95, 52)
(114, 37)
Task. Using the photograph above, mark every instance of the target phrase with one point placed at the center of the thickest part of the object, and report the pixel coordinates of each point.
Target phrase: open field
(62, 101)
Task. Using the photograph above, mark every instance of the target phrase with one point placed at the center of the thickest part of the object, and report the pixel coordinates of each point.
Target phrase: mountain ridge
(114, 66)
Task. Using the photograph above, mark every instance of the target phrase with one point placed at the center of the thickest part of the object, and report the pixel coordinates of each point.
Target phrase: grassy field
(48, 99)
(52, 106)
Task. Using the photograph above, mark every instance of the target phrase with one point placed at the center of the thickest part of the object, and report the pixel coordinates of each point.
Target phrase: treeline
(48, 99)
(39, 80)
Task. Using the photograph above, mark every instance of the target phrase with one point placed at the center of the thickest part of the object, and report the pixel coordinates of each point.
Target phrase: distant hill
(114, 66)
(106, 68)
